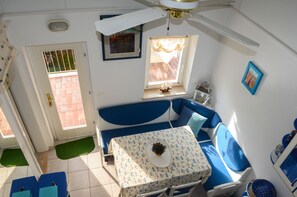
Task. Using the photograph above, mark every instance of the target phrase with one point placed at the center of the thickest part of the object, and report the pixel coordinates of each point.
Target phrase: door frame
(80, 47)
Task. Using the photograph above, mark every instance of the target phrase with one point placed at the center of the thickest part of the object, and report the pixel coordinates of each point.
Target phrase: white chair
(159, 193)
(183, 190)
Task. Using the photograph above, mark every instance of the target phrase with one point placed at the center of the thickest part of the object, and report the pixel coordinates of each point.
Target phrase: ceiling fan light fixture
(177, 13)
(180, 4)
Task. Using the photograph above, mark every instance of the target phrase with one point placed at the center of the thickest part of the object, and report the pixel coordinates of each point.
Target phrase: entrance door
(63, 82)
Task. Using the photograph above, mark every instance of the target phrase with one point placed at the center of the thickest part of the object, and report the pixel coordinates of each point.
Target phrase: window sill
(156, 93)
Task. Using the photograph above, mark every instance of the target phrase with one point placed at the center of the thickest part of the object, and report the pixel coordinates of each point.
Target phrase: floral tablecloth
(137, 175)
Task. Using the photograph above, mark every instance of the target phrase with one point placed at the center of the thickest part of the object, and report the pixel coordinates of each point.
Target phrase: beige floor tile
(101, 191)
(81, 193)
(3, 173)
(99, 177)
(6, 190)
(1, 189)
(15, 173)
(57, 165)
(115, 190)
(52, 154)
(94, 160)
(78, 180)
(78, 163)
(111, 169)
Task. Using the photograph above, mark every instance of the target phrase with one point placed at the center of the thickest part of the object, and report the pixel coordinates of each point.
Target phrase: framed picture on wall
(122, 45)
(252, 77)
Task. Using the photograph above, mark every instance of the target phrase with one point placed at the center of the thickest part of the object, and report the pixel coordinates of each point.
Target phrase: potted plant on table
(158, 148)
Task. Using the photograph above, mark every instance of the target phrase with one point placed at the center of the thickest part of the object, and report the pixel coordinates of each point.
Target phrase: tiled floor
(85, 174)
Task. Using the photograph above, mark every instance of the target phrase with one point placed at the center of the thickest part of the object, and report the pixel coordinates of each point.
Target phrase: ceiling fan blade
(215, 2)
(119, 23)
(210, 7)
(226, 31)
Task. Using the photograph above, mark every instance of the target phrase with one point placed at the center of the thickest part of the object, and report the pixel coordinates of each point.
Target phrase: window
(5, 129)
(59, 61)
(166, 61)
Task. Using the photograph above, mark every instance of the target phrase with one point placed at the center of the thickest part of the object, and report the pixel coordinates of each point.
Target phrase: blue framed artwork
(252, 77)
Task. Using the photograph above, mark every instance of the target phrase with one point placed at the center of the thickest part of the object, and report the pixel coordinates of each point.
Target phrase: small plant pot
(159, 153)
(158, 148)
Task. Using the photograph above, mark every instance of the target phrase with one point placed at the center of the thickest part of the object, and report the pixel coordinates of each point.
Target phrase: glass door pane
(64, 81)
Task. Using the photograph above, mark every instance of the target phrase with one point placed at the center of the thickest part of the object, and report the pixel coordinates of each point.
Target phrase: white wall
(278, 17)
(258, 122)
(113, 82)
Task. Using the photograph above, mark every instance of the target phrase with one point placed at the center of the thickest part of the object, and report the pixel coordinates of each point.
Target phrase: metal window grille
(59, 61)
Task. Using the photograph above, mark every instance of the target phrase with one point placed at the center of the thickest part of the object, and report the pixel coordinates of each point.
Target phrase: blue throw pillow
(184, 116)
(196, 121)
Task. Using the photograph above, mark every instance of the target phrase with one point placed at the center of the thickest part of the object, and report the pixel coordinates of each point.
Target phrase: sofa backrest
(134, 113)
(212, 117)
(229, 150)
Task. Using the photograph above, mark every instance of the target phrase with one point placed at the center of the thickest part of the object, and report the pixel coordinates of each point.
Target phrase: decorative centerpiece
(159, 153)
(158, 148)
(165, 87)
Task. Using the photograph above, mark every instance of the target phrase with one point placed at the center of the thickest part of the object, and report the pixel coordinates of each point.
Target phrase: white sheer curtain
(165, 49)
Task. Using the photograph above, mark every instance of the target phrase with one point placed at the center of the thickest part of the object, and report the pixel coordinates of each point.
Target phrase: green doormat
(75, 148)
(13, 157)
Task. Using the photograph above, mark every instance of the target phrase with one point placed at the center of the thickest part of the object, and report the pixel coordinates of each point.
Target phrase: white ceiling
(20, 6)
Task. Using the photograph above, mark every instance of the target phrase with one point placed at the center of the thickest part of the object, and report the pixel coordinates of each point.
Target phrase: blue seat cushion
(23, 184)
(219, 173)
(230, 151)
(56, 178)
(107, 135)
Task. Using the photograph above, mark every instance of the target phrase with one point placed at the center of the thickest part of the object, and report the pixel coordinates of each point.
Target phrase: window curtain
(166, 49)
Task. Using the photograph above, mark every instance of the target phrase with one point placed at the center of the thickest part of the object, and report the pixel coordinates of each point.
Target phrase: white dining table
(136, 174)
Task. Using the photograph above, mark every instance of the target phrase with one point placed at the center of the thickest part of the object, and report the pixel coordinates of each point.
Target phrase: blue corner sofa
(229, 165)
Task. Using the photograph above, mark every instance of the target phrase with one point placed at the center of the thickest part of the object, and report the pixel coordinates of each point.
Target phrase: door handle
(49, 99)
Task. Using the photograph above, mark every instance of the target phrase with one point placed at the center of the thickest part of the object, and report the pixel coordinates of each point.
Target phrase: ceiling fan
(174, 9)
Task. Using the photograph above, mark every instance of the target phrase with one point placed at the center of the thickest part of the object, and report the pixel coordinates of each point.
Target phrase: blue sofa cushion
(184, 116)
(230, 150)
(219, 173)
(212, 117)
(134, 113)
(107, 135)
